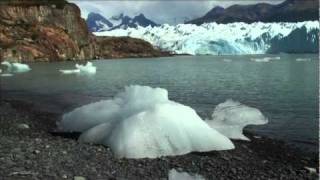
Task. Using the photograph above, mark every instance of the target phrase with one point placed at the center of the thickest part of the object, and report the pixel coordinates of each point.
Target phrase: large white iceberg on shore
(233, 38)
(142, 122)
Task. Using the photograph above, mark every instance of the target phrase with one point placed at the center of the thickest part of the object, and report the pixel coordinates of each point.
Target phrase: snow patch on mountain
(97, 23)
(233, 38)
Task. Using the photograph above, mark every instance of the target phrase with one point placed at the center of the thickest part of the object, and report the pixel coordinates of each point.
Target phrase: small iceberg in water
(6, 74)
(81, 69)
(303, 59)
(265, 59)
(227, 60)
(141, 122)
(88, 68)
(70, 71)
(230, 117)
(16, 67)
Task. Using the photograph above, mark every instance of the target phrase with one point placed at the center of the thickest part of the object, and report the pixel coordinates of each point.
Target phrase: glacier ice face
(233, 38)
(142, 122)
(230, 117)
(81, 69)
(16, 67)
(300, 40)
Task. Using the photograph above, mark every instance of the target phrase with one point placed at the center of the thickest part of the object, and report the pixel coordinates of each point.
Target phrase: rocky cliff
(123, 47)
(49, 30)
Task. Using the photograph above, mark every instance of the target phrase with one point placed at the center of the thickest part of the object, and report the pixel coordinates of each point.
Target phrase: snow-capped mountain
(233, 38)
(116, 19)
(287, 11)
(98, 23)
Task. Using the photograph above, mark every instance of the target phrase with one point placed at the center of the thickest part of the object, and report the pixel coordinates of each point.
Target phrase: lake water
(285, 89)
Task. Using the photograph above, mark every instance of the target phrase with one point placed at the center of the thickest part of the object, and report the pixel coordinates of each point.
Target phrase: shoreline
(29, 150)
(164, 54)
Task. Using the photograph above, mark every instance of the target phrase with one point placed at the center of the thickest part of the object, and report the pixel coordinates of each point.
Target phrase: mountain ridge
(287, 11)
(96, 22)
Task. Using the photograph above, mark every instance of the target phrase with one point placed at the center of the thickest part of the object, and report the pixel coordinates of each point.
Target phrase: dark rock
(122, 47)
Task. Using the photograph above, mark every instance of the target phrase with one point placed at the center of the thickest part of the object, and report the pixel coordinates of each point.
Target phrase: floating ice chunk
(83, 69)
(142, 122)
(175, 175)
(6, 75)
(6, 63)
(311, 170)
(227, 60)
(260, 60)
(303, 59)
(265, 59)
(70, 71)
(276, 58)
(230, 117)
(16, 67)
(88, 68)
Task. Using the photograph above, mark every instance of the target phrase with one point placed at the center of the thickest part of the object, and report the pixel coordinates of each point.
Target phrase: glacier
(142, 122)
(228, 39)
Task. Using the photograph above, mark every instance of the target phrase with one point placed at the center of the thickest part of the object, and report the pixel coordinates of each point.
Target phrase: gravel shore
(28, 150)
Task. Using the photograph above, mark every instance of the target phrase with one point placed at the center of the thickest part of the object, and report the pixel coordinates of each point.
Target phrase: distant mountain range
(97, 23)
(288, 11)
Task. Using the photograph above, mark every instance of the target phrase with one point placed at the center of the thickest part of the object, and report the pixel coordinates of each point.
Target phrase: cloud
(172, 12)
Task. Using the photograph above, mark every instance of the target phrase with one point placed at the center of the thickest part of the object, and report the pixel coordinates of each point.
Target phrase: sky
(165, 11)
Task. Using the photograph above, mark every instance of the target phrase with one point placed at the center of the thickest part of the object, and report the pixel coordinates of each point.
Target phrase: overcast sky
(165, 11)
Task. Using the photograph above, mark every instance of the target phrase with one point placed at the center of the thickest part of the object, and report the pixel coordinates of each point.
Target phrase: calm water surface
(285, 90)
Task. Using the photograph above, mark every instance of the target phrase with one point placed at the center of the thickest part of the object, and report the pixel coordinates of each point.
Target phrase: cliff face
(125, 47)
(45, 31)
